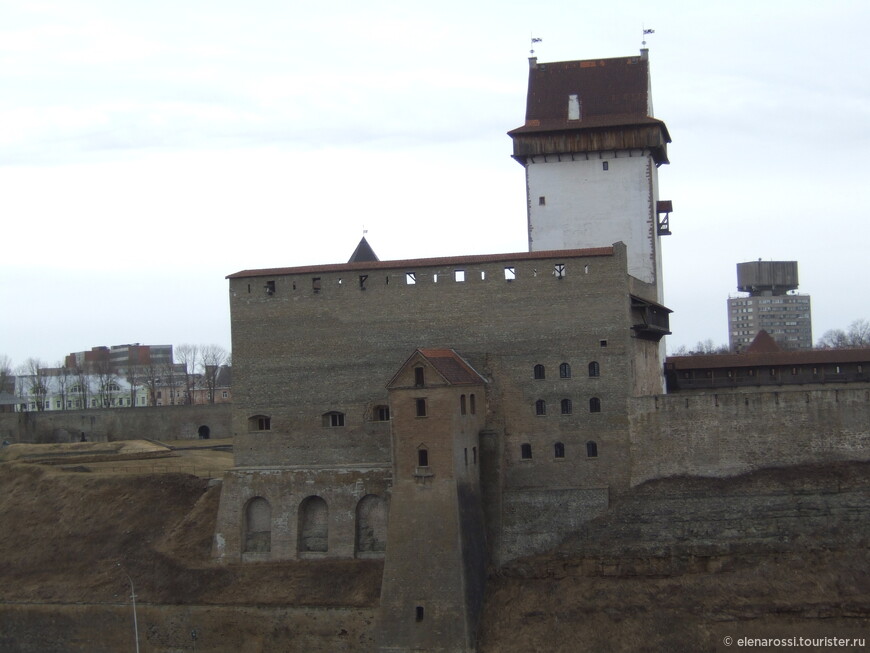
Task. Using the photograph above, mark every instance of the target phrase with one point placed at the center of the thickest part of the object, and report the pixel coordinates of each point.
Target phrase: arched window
(595, 405)
(539, 371)
(422, 457)
(462, 405)
(371, 525)
(313, 525)
(559, 450)
(591, 449)
(526, 451)
(594, 369)
(259, 423)
(419, 377)
(258, 526)
(333, 418)
(566, 406)
(472, 404)
(381, 413)
(540, 407)
(564, 371)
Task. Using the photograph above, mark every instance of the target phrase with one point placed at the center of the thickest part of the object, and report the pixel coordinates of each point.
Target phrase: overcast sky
(148, 149)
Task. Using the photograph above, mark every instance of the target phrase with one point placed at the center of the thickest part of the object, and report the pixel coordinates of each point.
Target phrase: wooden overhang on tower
(650, 321)
(579, 107)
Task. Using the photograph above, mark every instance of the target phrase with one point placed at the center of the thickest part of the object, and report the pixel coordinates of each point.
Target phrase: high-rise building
(772, 304)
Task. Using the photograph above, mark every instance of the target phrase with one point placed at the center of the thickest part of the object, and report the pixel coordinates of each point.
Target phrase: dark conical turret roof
(363, 253)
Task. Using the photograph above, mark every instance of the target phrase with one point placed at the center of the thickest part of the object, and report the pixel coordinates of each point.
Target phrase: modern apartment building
(771, 304)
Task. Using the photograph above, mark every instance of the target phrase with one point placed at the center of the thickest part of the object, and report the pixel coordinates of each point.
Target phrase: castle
(447, 414)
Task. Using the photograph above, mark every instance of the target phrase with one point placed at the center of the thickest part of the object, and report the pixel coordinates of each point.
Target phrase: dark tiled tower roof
(363, 253)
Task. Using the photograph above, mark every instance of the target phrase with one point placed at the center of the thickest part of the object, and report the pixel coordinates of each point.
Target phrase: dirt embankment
(681, 564)
(74, 537)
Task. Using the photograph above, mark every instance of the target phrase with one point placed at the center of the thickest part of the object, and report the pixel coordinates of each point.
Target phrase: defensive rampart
(100, 425)
(730, 433)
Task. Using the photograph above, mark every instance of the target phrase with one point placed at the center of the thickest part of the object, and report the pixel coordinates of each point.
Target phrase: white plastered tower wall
(597, 200)
(591, 150)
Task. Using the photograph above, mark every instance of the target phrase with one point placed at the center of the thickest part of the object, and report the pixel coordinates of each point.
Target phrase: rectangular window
(510, 273)
(315, 284)
(542, 201)
(605, 165)
(410, 278)
(459, 276)
(559, 270)
(421, 407)
(270, 287)
(419, 377)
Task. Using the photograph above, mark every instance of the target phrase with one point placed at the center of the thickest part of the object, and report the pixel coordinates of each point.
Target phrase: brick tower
(434, 569)
(591, 149)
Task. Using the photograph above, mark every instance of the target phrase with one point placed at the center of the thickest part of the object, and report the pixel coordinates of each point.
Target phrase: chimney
(533, 62)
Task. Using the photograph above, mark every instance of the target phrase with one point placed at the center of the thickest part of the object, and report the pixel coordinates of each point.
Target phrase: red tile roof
(427, 262)
(452, 366)
(765, 359)
(611, 92)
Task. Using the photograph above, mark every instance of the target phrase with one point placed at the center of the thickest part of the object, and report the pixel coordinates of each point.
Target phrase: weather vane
(645, 32)
(534, 40)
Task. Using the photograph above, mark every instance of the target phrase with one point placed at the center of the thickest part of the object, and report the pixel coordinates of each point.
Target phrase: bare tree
(135, 377)
(701, 348)
(36, 382)
(858, 335)
(211, 358)
(63, 381)
(7, 377)
(151, 377)
(82, 386)
(107, 382)
(188, 356)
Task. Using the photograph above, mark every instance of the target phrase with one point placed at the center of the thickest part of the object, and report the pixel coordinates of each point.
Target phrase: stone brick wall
(100, 425)
(729, 433)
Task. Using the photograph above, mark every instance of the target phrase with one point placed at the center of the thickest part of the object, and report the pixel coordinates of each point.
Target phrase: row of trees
(857, 335)
(196, 368)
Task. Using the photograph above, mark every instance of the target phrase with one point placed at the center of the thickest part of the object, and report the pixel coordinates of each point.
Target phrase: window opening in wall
(542, 201)
(249, 289)
(340, 281)
(418, 612)
(540, 407)
(294, 285)
(313, 525)
(510, 273)
(773, 371)
(459, 275)
(559, 270)
(566, 406)
(605, 165)
(602, 343)
(410, 278)
(483, 275)
(564, 371)
(260, 423)
(270, 287)
(462, 405)
(526, 451)
(472, 404)
(794, 371)
(591, 449)
(387, 280)
(258, 526)
(419, 377)
(474, 455)
(585, 269)
(362, 281)
(333, 418)
(539, 371)
(594, 369)
(435, 278)
(422, 457)
(421, 407)
(382, 413)
(315, 284)
(595, 405)
(558, 450)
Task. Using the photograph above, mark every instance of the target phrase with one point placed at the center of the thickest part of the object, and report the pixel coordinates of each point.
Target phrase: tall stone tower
(432, 589)
(591, 149)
